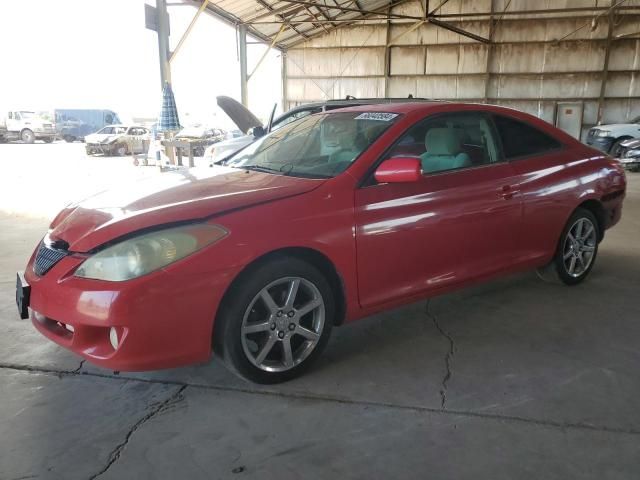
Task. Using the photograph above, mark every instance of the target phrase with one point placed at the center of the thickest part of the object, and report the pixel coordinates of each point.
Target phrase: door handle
(507, 192)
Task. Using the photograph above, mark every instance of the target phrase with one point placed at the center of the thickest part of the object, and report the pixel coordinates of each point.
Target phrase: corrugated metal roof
(292, 21)
(289, 22)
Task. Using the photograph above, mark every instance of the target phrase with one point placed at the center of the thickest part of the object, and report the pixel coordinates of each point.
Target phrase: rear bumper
(162, 320)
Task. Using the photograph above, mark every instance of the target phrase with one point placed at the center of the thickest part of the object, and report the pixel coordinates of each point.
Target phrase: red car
(328, 219)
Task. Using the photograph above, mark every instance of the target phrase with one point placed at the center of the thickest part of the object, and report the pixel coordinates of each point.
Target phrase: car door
(458, 222)
(546, 183)
(134, 140)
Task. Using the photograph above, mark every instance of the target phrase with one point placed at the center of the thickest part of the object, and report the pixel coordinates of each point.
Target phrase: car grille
(46, 258)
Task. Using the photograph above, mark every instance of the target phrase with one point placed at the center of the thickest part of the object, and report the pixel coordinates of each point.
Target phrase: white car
(607, 138)
(118, 140)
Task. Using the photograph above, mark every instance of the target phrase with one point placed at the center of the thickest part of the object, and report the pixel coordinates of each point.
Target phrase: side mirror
(258, 132)
(399, 170)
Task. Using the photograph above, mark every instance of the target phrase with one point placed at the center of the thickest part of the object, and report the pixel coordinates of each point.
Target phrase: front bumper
(630, 163)
(163, 319)
(105, 149)
(603, 144)
(45, 134)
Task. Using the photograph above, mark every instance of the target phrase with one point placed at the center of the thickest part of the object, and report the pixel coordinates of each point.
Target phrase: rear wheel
(47, 139)
(27, 136)
(69, 138)
(276, 322)
(578, 247)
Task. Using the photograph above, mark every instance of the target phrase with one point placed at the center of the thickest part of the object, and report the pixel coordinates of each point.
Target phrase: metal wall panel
(526, 68)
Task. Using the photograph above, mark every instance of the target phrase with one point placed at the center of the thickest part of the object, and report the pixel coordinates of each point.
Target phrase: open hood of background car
(241, 116)
(169, 198)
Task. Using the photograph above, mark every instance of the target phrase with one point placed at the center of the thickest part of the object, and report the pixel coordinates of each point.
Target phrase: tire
(47, 140)
(27, 136)
(614, 150)
(69, 138)
(120, 150)
(252, 332)
(577, 248)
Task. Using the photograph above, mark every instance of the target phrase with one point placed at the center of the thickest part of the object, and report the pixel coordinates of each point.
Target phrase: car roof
(356, 102)
(423, 106)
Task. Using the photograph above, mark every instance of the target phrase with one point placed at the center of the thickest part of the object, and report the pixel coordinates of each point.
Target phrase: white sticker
(383, 117)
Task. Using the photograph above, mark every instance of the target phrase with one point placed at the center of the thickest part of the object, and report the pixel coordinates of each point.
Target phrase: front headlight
(632, 154)
(603, 133)
(149, 252)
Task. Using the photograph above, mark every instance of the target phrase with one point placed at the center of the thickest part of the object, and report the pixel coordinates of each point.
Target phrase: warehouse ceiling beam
(284, 20)
(264, 55)
(458, 30)
(230, 19)
(349, 9)
(315, 16)
(548, 11)
(437, 8)
(186, 33)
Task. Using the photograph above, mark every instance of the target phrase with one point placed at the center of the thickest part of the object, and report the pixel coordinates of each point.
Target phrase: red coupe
(328, 219)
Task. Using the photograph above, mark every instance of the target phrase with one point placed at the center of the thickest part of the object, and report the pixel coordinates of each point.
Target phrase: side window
(108, 119)
(449, 142)
(519, 139)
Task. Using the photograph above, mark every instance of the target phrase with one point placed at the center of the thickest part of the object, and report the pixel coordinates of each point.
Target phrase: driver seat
(444, 151)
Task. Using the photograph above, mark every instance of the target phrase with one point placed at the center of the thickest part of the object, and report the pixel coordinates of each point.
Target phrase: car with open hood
(328, 219)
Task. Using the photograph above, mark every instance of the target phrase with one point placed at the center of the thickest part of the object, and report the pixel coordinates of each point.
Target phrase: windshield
(317, 146)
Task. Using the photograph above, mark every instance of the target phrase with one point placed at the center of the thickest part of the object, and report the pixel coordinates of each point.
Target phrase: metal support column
(242, 54)
(605, 67)
(387, 53)
(163, 41)
(487, 73)
(285, 100)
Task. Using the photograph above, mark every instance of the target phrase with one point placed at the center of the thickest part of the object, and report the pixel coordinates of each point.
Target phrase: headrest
(443, 141)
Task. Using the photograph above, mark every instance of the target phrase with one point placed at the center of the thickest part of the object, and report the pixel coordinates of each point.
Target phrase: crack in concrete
(447, 358)
(115, 454)
(339, 400)
(77, 370)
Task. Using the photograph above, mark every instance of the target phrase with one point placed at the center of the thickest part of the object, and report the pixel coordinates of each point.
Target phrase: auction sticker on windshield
(383, 117)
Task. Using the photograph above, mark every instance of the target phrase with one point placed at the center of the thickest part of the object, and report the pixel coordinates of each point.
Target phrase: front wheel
(276, 321)
(120, 150)
(27, 136)
(578, 247)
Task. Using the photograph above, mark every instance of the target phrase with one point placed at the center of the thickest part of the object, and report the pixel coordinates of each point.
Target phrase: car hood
(100, 137)
(630, 143)
(238, 113)
(614, 125)
(169, 198)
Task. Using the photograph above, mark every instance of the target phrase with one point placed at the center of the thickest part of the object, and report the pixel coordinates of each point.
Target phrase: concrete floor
(516, 378)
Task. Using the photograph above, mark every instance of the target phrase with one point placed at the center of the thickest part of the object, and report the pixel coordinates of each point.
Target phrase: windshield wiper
(260, 168)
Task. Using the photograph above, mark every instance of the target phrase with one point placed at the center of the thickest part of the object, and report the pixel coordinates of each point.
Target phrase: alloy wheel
(579, 247)
(283, 324)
